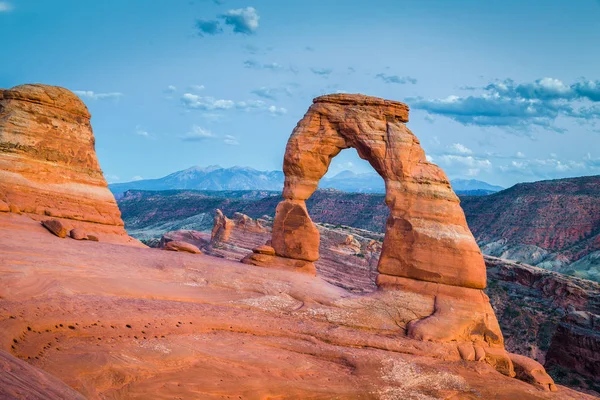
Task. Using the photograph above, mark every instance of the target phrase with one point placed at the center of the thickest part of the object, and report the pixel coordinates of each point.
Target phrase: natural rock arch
(426, 238)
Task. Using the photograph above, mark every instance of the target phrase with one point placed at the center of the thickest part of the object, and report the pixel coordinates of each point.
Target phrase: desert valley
(260, 200)
(273, 306)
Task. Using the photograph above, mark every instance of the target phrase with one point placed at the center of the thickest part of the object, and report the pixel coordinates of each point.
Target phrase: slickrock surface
(48, 164)
(118, 322)
(529, 301)
(19, 380)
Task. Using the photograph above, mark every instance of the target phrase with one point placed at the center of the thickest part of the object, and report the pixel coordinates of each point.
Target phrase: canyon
(112, 318)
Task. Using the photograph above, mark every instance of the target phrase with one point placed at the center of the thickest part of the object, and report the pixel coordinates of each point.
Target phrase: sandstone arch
(426, 238)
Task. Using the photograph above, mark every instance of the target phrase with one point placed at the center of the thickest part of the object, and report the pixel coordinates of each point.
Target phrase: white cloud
(97, 96)
(194, 101)
(277, 110)
(207, 103)
(243, 20)
(197, 88)
(5, 6)
(464, 161)
(137, 178)
(170, 89)
(429, 158)
(141, 132)
(552, 167)
(231, 140)
(197, 134)
(520, 154)
(460, 149)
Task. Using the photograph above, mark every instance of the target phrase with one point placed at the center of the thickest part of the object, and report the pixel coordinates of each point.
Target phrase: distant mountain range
(215, 177)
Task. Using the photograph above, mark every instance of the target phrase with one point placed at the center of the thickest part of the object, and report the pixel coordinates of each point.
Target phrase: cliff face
(48, 164)
(552, 224)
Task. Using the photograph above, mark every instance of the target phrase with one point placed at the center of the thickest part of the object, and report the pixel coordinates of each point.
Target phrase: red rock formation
(427, 249)
(48, 165)
(182, 246)
(56, 227)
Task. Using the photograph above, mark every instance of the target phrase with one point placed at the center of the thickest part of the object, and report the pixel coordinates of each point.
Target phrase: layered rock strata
(48, 164)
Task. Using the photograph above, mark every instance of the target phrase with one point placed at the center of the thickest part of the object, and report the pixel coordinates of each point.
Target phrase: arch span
(426, 238)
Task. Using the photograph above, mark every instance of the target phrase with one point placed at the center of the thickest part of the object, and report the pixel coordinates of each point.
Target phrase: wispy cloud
(277, 110)
(231, 140)
(207, 103)
(141, 131)
(197, 134)
(170, 89)
(243, 20)
(518, 106)
(5, 6)
(197, 88)
(401, 80)
(460, 148)
(194, 101)
(208, 27)
(271, 93)
(275, 67)
(88, 94)
(325, 72)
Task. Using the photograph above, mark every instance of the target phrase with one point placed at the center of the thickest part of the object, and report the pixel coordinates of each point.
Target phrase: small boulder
(4, 207)
(56, 227)
(182, 246)
(533, 372)
(264, 249)
(78, 234)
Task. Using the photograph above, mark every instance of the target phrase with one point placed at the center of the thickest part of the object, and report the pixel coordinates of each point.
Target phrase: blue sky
(499, 91)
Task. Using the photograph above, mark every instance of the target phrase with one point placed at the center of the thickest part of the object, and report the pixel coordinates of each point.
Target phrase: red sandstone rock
(48, 164)
(19, 380)
(276, 262)
(427, 237)
(78, 234)
(4, 207)
(294, 234)
(428, 248)
(56, 227)
(531, 371)
(93, 238)
(228, 328)
(222, 227)
(182, 246)
(264, 249)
